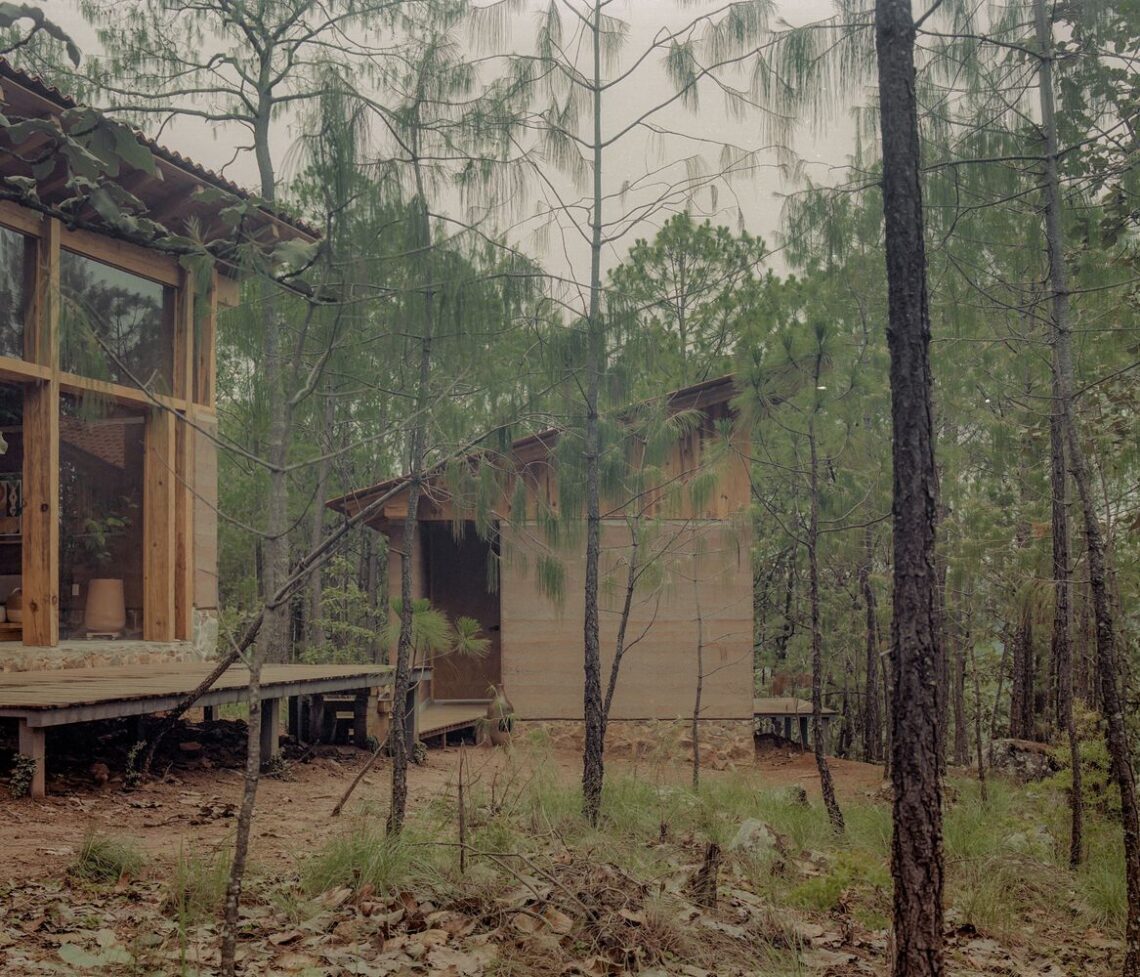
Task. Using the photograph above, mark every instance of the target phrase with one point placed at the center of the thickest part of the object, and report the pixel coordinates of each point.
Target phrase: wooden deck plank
(28, 693)
(437, 718)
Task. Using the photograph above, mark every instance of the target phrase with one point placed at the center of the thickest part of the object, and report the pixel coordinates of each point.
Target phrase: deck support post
(360, 712)
(207, 714)
(33, 743)
(270, 728)
(804, 732)
(788, 728)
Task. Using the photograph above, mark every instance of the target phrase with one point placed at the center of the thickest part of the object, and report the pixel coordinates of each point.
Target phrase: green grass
(105, 858)
(197, 886)
(1006, 858)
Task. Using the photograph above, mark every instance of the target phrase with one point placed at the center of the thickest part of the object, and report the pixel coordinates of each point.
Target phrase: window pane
(114, 325)
(13, 254)
(101, 526)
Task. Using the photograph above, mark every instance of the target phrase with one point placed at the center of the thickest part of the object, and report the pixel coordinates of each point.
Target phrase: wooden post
(33, 743)
(183, 532)
(159, 527)
(788, 728)
(40, 528)
(207, 714)
(270, 728)
(316, 718)
(40, 558)
(360, 718)
(804, 732)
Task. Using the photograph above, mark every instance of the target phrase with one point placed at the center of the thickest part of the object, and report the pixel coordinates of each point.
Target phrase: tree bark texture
(1116, 734)
(958, 694)
(916, 845)
(404, 645)
(593, 769)
(1062, 645)
(872, 715)
(826, 786)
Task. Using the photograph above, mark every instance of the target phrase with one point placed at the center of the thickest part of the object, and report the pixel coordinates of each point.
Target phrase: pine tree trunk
(916, 846)
(1115, 732)
(1021, 689)
(826, 786)
(593, 769)
(958, 691)
(872, 716)
(317, 526)
(402, 681)
(1062, 645)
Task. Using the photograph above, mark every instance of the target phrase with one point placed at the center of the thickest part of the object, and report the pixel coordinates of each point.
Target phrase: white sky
(759, 198)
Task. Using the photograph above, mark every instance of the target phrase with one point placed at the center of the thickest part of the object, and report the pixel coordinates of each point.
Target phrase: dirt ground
(191, 808)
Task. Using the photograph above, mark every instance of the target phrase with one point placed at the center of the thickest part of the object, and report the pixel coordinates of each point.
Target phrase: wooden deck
(437, 719)
(789, 717)
(59, 697)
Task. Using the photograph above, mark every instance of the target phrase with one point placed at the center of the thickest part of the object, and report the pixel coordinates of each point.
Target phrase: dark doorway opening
(461, 578)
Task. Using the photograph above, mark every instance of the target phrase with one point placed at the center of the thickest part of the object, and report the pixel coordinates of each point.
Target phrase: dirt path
(192, 809)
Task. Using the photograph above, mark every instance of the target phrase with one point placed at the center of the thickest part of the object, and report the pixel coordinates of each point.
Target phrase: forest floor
(98, 881)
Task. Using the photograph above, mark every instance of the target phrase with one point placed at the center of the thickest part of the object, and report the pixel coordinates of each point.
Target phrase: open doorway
(460, 582)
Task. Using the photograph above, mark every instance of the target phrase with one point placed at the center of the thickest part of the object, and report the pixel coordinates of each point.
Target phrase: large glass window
(101, 526)
(13, 255)
(114, 325)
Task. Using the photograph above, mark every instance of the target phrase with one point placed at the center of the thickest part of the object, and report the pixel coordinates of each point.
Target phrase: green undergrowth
(1006, 858)
(196, 888)
(107, 858)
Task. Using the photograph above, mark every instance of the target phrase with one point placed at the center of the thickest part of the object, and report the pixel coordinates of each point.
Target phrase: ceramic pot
(15, 606)
(106, 610)
(500, 718)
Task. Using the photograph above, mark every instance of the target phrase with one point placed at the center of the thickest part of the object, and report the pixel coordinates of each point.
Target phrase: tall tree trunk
(593, 769)
(317, 526)
(272, 637)
(1115, 732)
(274, 641)
(958, 693)
(402, 683)
(827, 788)
(700, 676)
(978, 725)
(1022, 689)
(916, 846)
(1062, 644)
(872, 716)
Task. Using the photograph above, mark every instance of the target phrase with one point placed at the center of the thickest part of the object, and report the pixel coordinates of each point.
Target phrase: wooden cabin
(105, 485)
(695, 595)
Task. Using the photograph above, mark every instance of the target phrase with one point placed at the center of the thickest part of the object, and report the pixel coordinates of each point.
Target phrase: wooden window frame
(168, 503)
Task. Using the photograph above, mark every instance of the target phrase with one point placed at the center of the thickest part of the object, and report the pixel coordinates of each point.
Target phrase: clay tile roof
(38, 87)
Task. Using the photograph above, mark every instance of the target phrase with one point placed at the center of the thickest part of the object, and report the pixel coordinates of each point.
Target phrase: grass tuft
(104, 858)
(197, 886)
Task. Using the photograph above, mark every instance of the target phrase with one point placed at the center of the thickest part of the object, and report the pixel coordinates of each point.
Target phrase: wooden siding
(205, 515)
(542, 639)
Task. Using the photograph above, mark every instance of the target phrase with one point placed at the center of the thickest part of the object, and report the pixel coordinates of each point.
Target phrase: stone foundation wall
(725, 744)
(14, 657)
(82, 653)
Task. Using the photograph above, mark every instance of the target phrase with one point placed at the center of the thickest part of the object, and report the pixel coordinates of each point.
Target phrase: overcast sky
(759, 197)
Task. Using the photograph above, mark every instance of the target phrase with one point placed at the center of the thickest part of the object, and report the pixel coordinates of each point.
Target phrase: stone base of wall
(726, 744)
(81, 653)
(98, 653)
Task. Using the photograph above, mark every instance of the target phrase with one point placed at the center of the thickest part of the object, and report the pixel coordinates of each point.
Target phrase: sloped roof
(698, 396)
(170, 195)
